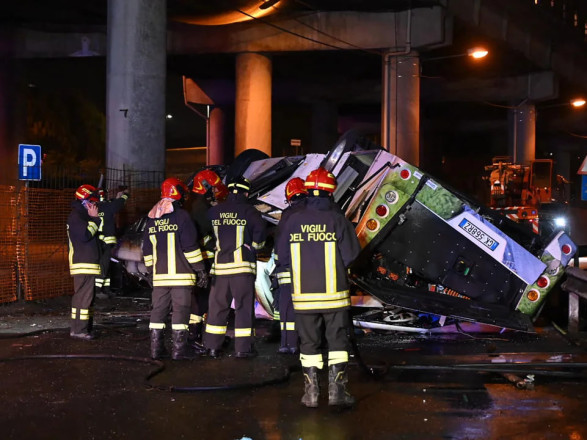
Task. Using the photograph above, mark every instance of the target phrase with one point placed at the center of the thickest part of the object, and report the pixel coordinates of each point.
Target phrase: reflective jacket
(319, 244)
(282, 268)
(171, 250)
(84, 254)
(240, 231)
(106, 211)
(198, 209)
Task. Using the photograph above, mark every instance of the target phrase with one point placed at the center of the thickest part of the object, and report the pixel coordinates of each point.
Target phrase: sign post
(29, 162)
(29, 168)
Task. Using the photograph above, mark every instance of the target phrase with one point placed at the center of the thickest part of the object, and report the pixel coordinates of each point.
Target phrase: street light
(578, 102)
(473, 52)
(477, 52)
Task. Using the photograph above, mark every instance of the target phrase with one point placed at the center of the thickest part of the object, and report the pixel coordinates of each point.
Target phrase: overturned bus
(426, 248)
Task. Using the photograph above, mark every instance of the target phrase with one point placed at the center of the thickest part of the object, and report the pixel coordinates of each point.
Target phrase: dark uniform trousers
(225, 287)
(178, 299)
(82, 303)
(199, 306)
(337, 324)
(287, 317)
(103, 281)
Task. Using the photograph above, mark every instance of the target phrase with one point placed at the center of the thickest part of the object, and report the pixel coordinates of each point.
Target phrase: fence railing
(33, 238)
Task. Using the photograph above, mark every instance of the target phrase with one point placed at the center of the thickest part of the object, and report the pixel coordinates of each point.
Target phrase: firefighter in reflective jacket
(207, 190)
(107, 209)
(319, 243)
(173, 257)
(295, 194)
(239, 231)
(84, 259)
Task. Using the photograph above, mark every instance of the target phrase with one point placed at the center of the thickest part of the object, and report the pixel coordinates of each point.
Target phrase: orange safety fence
(33, 237)
(8, 223)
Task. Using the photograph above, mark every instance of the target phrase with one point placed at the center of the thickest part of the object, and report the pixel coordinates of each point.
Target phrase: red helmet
(321, 179)
(86, 192)
(206, 182)
(173, 188)
(294, 187)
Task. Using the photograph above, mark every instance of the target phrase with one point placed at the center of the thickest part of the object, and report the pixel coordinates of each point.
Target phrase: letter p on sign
(29, 162)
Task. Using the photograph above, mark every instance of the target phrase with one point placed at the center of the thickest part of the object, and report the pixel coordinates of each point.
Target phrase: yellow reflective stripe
(208, 255)
(171, 252)
(84, 314)
(179, 326)
(276, 315)
(282, 326)
(73, 313)
(148, 260)
(92, 227)
(84, 269)
(206, 239)
(240, 236)
(216, 329)
(312, 360)
(217, 240)
(107, 282)
(233, 268)
(157, 325)
(99, 282)
(153, 240)
(300, 305)
(110, 239)
(337, 357)
(284, 278)
(258, 245)
(295, 267)
(242, 332)
(320, 296)
(330, 266)
(171, 283)
(70, 253)
(291, 326)
(194, 256)
(195, 319)
(175, 277)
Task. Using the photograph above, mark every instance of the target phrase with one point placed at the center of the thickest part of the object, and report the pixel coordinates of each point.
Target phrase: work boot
(158, 349)
(337, 380)
(181, 350)
(311, 387)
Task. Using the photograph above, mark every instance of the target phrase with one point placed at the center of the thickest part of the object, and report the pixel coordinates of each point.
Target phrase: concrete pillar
(400, 122)
(253, 103)
(8, 109)
(215, 139)
(324, 126)
(523, 133)
(136, 70)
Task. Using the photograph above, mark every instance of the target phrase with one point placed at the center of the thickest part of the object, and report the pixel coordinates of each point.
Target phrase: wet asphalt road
(426, 387)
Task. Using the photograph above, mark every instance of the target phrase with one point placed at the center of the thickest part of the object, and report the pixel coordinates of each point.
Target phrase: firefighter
(107, 209)
(207, 190)
(295, 194)
(240, 232)
(173, 257)
(319, 244)
(84, 259)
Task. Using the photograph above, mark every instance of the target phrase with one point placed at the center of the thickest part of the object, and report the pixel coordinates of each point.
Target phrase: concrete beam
(350, 31)
(536, 87)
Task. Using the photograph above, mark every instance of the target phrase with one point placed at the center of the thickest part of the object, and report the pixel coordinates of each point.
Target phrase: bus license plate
(478, 234)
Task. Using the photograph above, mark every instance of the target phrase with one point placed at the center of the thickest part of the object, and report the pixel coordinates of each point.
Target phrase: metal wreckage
(430, 255)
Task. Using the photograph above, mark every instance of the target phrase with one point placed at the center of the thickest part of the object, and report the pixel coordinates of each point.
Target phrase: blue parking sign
(29, 162)
(584, 187)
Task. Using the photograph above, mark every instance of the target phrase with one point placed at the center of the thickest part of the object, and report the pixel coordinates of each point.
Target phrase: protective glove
(202, 279)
